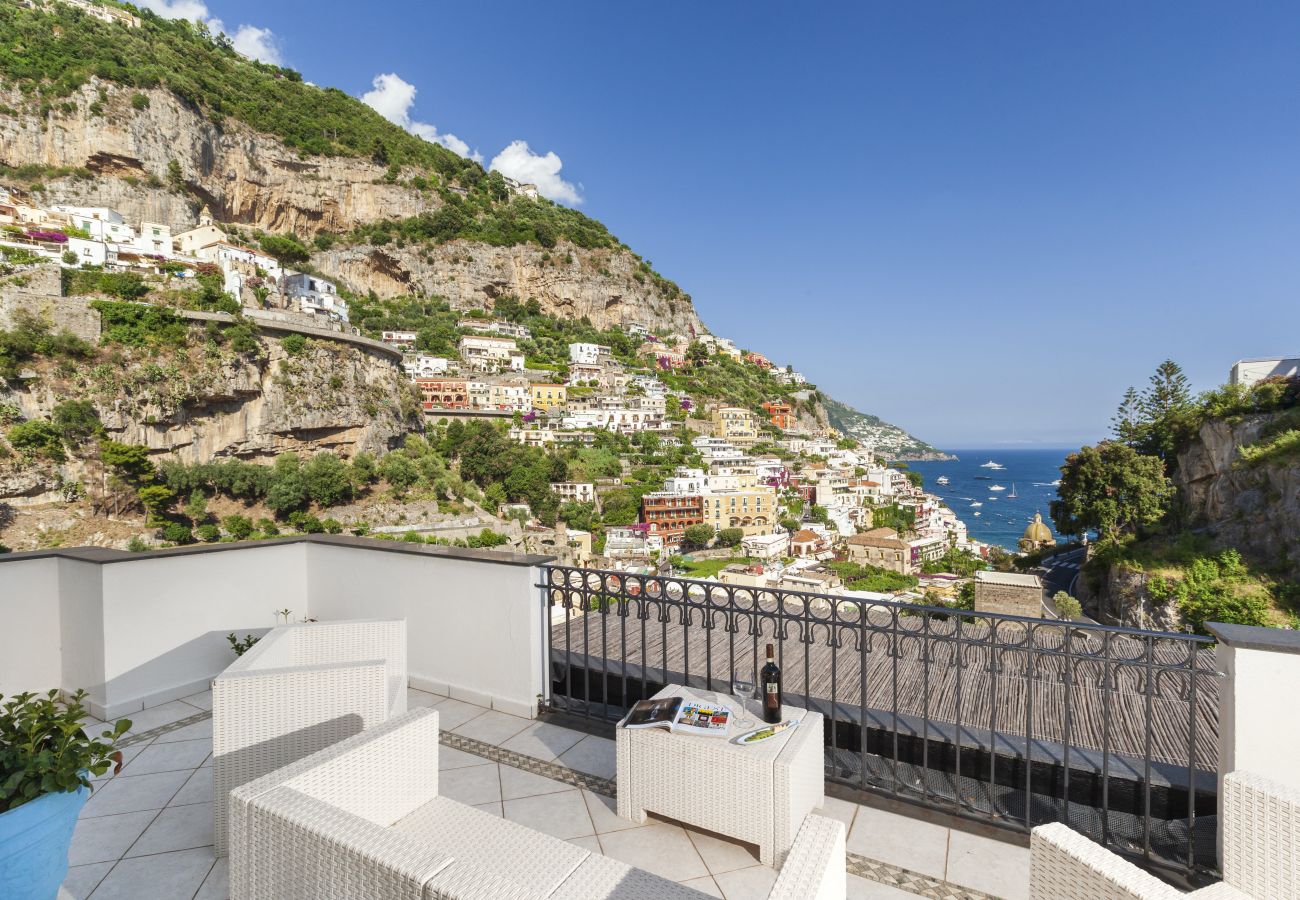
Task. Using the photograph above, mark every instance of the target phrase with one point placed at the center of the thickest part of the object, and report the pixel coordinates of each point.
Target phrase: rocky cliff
(122, 149)
(1253, 508)
(205, 400)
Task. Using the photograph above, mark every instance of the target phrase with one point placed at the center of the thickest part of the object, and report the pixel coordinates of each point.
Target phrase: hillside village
(748, 485)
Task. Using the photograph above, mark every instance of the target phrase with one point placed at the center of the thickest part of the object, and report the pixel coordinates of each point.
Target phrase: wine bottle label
(771, 687)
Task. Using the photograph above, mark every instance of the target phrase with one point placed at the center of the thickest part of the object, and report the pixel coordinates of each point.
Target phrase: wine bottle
(770, 679)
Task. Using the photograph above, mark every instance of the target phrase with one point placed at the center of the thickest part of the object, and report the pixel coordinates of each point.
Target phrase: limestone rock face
(567, 281)
(331, 398)
(1254, 508)
(252, 179)
(1123, 599)
(243, 176)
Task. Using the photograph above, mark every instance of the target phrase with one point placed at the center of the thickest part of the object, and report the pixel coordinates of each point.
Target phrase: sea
(1002, 518)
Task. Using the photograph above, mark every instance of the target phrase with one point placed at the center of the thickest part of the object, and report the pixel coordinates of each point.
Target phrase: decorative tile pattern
(894, 876)
(141, 737)
(872, 870)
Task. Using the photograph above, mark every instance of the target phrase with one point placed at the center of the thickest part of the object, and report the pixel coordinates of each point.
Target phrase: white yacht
(942, 479)
(977, 503)
(992, 465)
(996, 487)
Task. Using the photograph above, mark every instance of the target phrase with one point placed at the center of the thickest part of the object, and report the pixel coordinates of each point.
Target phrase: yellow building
(751, 509)
(549, 397)
(735, 425)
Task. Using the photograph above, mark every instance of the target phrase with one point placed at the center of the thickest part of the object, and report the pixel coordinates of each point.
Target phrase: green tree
(697, 354)
(237, 526)
(1112, 489)
(288, 489)
(327, 478)
(494, 495)
(196, 508)
(1066, 605)
(156, 499)
(399, 472)
(1159, 420)
(364, 470)
(697, 537)
(38, 438)
(129, 461)
(77, 421)
(730, 537)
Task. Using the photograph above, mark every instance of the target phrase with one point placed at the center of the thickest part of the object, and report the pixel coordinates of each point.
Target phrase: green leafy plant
(241, 646)
(43, 749)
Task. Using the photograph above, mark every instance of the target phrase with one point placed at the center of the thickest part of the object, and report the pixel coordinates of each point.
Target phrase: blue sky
(980, 221)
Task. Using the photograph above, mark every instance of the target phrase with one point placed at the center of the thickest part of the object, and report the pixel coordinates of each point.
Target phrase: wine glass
(742, 687)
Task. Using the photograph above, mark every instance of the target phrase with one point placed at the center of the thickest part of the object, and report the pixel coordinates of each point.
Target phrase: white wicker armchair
(1261, 853)
(301, 688)
(362, 820)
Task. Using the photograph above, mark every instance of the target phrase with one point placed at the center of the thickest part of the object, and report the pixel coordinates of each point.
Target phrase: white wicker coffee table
(759, 794)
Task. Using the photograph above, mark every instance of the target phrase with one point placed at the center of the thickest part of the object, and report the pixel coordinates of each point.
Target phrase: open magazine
(680, 716)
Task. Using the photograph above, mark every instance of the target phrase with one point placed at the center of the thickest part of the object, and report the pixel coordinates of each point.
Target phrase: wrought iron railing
(1006, 719)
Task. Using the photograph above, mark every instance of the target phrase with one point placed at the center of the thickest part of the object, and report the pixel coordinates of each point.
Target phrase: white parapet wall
(473, 620)
(139, 629)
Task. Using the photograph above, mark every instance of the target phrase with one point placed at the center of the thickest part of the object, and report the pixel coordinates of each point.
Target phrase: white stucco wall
(30, 659)
(139, 630)
(474, 628)
(166, 617)
(1252, 735)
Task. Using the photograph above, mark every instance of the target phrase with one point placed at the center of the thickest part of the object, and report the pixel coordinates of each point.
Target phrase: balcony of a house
(947, 737)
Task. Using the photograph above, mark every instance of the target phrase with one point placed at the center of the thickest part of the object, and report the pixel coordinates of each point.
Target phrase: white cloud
(519, 162)
(393, 96)
(257, 43)
(253, 42)
(177, 9)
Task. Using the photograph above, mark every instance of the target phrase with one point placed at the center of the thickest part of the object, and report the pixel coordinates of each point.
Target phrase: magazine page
(654, 713)
(703, 718)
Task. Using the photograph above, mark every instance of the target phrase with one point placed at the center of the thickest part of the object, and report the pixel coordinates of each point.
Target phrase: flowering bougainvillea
(52, 237)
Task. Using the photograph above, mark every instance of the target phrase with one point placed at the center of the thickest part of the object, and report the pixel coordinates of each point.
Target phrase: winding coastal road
(1060, 571)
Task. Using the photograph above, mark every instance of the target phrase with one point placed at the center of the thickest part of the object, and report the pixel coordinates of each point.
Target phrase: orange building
(780, 413)
(443, 393)
(669, 515)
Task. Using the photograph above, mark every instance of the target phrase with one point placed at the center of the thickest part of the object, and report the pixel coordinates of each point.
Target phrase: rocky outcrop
(567, 282)
(332, 397)
(1253, 508)
(241, 175)
(196, 404)
(1121, 597)
(252, 179)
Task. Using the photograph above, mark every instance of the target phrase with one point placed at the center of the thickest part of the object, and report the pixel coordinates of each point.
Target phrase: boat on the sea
(942, 479)
(997, 487)
(983, 477)
(977, 503)
(992, 465)
(1012, 495)
(977, 515)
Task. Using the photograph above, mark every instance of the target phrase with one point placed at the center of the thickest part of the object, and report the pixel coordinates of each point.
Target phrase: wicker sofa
(1260, 843)
(301, 688)
(363, 820)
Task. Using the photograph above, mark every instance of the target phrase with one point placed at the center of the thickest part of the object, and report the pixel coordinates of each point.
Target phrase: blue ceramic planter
(34, 840)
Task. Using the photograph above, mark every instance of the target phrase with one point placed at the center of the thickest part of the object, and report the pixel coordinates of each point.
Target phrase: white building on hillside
(422, 366)
(315, 295)
(1246, 372)
(588, 354)
(490, 354)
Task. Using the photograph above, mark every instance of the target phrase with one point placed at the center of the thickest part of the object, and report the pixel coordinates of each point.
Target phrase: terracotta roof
(803, 536)
(877, 537)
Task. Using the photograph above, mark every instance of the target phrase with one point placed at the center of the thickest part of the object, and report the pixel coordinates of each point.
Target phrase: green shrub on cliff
(32, 337)
(1214, 589)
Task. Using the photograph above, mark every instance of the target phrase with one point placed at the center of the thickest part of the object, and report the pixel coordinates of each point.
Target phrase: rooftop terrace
(947, 737)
